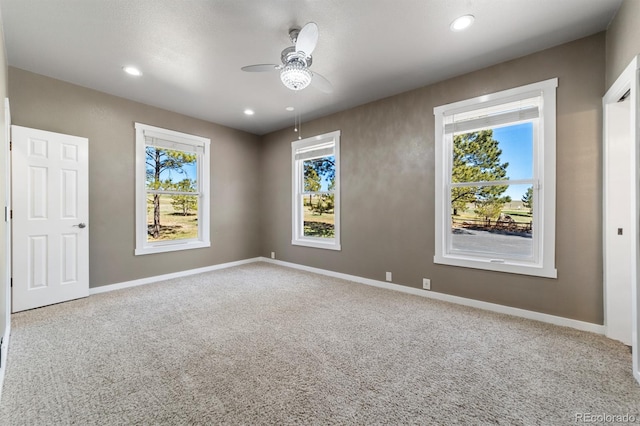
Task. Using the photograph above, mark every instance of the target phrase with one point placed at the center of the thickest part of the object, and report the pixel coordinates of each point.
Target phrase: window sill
(508, 266)
(172, 246)
(332, 245)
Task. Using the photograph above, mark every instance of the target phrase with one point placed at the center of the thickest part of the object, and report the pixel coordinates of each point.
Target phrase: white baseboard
(502, 309)
(4, 354)
(154, 279)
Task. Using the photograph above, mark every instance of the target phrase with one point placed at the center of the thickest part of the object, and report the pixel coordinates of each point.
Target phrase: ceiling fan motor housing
(289, 54)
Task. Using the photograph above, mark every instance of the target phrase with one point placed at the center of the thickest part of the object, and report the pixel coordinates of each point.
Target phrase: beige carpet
(263, 344)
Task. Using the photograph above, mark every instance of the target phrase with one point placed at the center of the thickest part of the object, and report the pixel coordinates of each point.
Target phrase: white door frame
(627, 82)
(6, 280)
(7, 213)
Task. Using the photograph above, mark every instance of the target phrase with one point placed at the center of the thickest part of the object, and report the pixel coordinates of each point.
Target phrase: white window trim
(142, 245)
(297, 237)
(544, 171)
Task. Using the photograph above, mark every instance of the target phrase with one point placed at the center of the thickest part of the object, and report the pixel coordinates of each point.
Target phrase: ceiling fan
(296, 60)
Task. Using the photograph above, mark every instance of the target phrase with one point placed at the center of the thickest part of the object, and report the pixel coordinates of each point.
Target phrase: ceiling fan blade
(307, 38)
(261, 68)
(321, 83)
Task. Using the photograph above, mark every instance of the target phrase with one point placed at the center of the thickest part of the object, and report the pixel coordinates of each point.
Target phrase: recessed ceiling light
(132, 71)
(462, 23)
(249, 111)
(289, 108)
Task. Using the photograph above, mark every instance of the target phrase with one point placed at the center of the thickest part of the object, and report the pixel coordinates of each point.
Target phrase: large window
(316, 191)
(172, 190)
(495, 181)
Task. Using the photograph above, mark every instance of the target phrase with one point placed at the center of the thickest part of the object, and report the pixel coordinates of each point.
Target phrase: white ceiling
(191, 51)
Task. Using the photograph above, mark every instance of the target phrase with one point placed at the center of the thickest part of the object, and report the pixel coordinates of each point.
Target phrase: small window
(316, 191)
(172, 190)
(495, 181)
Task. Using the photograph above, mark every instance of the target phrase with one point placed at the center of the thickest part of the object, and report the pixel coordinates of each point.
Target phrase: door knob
(81, 225)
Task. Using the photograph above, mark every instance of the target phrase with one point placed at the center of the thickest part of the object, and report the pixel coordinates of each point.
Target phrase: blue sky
(176, 176)
(190, 172)
(516, 143)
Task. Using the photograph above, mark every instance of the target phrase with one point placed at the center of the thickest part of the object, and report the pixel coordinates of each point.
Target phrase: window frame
(143, 246)
(297, 175)
(544, 176)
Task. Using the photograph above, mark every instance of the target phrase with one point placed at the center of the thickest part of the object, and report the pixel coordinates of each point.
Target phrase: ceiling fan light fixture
(295, 75)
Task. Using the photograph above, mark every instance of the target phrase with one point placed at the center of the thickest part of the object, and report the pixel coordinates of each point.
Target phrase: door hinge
(10, 145)
(11, 282)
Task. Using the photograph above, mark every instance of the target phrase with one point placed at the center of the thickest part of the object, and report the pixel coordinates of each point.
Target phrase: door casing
(626, 82)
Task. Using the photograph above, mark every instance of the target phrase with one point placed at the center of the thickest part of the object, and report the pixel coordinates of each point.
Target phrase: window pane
(493, 154)
(495, 220)
(516, 144)
(319, 215)
(319, 174)
(171, 170)
(172, 217)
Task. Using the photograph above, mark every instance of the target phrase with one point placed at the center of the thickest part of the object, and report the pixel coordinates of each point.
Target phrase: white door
(618, 218)
(50, 217)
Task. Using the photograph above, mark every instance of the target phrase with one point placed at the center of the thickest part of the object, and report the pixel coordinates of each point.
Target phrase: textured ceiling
(191, 51)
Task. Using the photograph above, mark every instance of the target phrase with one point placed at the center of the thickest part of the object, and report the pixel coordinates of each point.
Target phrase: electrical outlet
(273, 254)
(389, 276)
(426, 283)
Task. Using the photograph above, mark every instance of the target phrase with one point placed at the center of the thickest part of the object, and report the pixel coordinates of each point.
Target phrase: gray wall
(108, 121)
(623, 39)
(387, 154)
